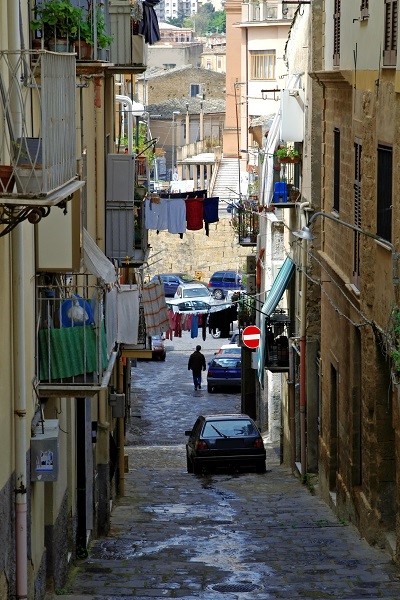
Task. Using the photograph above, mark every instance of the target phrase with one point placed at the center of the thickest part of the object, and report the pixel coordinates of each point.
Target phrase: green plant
(394, 340)
(87, 29)
(287, 152)
(143, 148)
(57, 19)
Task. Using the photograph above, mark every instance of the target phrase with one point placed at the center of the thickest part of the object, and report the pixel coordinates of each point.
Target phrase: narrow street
(218, 537)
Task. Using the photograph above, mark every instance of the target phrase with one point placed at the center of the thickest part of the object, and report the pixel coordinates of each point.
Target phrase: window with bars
(357, 210)
(384, 192)
(262, 64)
(390, 44)
(336, 33)
(336, 169)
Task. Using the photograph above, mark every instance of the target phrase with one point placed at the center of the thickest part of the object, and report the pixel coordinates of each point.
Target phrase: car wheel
(260, 467)
(189, 464)
(209, 388)
(218, 294)
(216, 334)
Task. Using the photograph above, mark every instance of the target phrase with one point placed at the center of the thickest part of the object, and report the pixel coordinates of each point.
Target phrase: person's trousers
(197, 379)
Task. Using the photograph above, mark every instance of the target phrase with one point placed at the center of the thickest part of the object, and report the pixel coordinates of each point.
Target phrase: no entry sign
(251, 336)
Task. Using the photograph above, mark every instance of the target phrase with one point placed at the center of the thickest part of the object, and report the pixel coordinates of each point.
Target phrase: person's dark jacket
(197, 362)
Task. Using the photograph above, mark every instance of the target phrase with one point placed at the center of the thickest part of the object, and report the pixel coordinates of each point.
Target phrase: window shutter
(336, 169)
(384, 192)
(390, 46)
(357, 209)
(336, 34)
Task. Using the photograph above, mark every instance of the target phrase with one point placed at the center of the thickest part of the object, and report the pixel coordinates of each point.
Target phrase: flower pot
(7, 179)
(287, 159)
(59, 45)
(83, 50)
(29, 180)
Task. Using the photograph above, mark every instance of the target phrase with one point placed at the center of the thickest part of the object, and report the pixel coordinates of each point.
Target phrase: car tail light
(201, 445)
(258, 443)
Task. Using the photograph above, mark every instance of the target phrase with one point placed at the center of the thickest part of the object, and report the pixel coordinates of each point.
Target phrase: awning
(279, 285)
(275, 294)
(96, 262)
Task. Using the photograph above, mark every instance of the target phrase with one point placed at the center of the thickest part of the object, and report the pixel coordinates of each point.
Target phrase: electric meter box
(45, 451)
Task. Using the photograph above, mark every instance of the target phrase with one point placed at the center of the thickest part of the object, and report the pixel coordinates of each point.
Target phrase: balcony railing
(246, 222)
(37, 126)
(72, 353)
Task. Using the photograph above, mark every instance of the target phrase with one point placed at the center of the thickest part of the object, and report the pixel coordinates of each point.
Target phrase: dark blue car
(224, 371)
(172, 280)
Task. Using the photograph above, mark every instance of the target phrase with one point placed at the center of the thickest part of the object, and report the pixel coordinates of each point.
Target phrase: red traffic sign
(251, 336)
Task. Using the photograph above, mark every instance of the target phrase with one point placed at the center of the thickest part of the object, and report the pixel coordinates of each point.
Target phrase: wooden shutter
(390, 45)
(336, 34)
(357, 210)
(384, 192)
(336, 169)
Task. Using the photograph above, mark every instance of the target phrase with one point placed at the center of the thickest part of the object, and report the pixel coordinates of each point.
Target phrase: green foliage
(206, 21)
(57, 18)
(395, 340)
(286, 152)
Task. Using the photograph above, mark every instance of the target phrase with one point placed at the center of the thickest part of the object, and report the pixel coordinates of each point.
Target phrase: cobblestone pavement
(217, 537)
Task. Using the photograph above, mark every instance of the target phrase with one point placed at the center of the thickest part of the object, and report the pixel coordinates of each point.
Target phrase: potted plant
(287, 154)
(59, 22)
(87, 29)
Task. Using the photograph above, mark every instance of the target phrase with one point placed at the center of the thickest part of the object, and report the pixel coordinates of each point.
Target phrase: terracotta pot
(83, 50)
(7, 179)
(286, 159)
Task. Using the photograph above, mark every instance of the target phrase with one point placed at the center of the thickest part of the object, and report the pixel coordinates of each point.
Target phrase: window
(384, 192)
(336, 169)
(195, 89)
(336, 34)
(357, 210)
(390, 47)
(262, 64)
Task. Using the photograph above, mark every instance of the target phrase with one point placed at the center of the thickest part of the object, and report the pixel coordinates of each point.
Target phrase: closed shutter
(336, 169)
(390, 46)
(384, 192)
(357, 210)
(336, 34)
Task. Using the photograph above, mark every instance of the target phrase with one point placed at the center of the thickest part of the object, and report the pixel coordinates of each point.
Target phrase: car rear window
(229, 428)
(194, 292)
(225, 362)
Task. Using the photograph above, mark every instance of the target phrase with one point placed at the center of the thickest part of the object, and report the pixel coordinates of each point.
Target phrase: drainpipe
(19, 361)
(302, 345)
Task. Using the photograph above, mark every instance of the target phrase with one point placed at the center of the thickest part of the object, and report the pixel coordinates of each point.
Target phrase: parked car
(192, 291)
(229, 349)
(223, 442)
(198, 306)
(224, 371)
(223, 281)
(158, 351)
(172, 280)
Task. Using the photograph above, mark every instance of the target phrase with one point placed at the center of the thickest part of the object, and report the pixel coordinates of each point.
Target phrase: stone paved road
(218, 537)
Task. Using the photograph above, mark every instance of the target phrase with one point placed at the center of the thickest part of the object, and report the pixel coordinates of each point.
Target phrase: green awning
(279, 285)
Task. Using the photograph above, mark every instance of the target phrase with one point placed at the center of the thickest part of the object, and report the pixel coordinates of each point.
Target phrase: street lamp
(306, 235)
(176, 112)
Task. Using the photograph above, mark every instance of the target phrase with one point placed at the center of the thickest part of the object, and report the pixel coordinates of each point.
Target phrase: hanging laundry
(210, 212)
(156, 214)
(194, 213)
(176, 215)
(194, 331)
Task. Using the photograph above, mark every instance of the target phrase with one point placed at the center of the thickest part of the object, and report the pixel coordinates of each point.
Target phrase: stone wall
(197, 254)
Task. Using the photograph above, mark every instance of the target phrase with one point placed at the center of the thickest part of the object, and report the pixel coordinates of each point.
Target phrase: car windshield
(195, 292)
(232, 351)
(228, 428)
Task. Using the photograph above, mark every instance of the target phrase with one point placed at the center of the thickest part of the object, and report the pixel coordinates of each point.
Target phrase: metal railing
(37, 121)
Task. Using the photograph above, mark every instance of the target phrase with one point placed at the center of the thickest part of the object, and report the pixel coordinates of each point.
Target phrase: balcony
(73, 358)
(128, 50)
(37, 132)
(246, 222)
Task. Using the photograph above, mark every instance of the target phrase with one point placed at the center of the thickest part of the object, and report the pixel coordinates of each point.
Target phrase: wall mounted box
(117, 403)
(45, 451)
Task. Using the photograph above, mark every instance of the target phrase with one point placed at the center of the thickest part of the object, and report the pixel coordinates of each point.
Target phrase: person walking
(196, 364)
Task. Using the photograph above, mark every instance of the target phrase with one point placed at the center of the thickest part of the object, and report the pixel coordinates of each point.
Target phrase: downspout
(126, 100)
(19, 359)
(302, 344)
